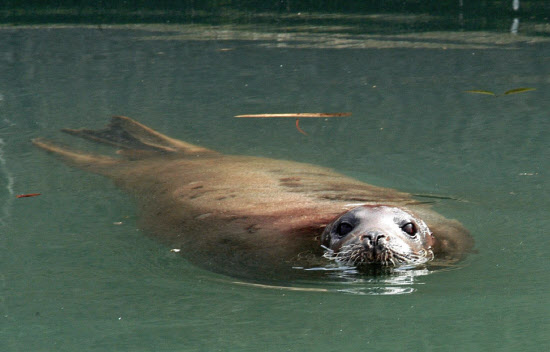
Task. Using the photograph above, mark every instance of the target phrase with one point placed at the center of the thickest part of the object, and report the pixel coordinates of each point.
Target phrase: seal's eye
(344, 228)
(409, 228)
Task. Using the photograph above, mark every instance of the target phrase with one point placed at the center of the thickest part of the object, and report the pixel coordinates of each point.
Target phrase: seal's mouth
(359, 255)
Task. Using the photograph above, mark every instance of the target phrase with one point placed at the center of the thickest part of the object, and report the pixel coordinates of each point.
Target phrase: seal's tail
(127, 134)
(134, 140)
(90, 162)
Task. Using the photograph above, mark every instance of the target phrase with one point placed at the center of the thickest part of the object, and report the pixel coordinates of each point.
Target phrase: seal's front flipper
(94, 163)
(127, 134)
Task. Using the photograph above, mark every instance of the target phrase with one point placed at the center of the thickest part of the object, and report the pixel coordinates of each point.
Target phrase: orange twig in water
(299, 129)
(27, 195)
(298, 114)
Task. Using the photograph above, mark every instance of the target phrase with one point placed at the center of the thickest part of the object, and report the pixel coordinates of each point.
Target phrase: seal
(261, 218)
(378, 235)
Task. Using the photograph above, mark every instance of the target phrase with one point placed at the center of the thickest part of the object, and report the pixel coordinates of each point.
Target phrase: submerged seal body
(257, 217)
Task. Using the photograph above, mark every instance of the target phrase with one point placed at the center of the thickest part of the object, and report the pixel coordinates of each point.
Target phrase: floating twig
(298, 115)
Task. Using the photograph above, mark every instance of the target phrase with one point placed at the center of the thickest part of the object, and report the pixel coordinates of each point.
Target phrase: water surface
(77, 273)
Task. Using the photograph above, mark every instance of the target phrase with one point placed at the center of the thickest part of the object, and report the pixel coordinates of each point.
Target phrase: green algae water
(77, 273)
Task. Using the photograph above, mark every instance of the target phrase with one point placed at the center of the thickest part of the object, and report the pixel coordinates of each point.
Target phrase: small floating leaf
(478, 91)
(518, 90)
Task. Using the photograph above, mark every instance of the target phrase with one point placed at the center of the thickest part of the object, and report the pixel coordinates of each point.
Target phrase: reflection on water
(8, 180)
(401, 281)
(376, 16)
(312, 37)
(348, 280)
(378, 281)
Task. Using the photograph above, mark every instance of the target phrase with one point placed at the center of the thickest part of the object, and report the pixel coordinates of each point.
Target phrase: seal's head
(378, 235)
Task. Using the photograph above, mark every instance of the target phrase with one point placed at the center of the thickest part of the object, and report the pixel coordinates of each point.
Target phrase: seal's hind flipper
(94, 163)
(127, 134)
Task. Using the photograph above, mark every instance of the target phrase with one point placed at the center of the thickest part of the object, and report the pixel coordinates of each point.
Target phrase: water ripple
(9, 182)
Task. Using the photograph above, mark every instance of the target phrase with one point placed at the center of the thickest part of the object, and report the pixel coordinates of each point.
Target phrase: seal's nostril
(372, 237)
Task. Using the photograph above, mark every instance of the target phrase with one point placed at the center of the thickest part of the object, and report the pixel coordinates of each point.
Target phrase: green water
(76, 273)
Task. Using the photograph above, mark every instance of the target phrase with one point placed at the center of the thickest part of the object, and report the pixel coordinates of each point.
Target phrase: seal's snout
(373, 238)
